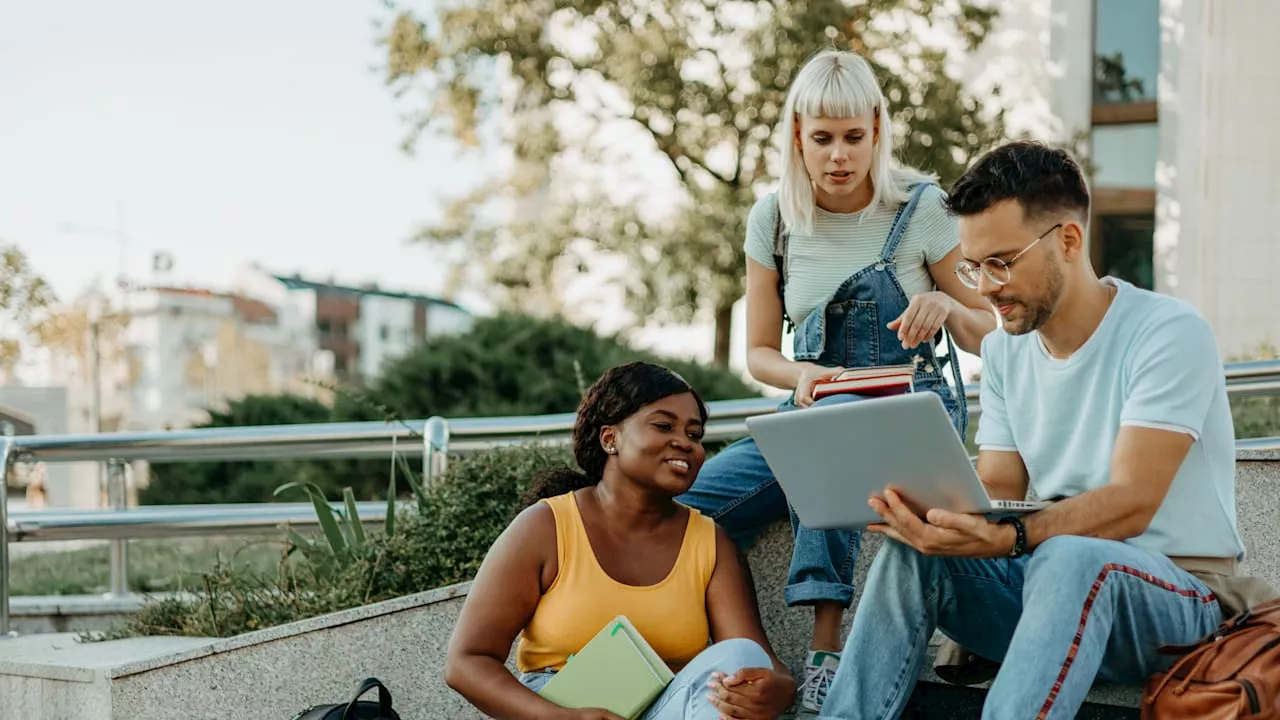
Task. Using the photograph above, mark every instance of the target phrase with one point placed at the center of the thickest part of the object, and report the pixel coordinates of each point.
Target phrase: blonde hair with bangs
(838, 84)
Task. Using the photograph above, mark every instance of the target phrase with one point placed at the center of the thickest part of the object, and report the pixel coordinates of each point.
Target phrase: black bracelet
(1020, 536)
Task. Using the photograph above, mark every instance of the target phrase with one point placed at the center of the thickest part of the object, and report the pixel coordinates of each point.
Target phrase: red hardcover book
(872, 381)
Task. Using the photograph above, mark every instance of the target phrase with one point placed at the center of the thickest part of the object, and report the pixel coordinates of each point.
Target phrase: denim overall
(737, 489)
(849, 331)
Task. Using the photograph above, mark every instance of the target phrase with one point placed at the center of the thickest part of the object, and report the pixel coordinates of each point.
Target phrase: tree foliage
(586, 93)
(440, 543)
(514, 365)
(31, 316)
(25, 297)
(506, 365)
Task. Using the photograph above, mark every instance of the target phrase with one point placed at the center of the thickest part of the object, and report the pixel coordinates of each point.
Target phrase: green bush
(445, 541)
(1257, 416)
(506, 365)
(254, 481)
(514, 365)
(441, 543)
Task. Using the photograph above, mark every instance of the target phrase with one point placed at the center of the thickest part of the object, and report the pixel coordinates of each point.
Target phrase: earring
(611, 450)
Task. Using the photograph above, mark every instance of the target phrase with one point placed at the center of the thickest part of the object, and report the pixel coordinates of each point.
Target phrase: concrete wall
(1070, 66)
(1218, 222)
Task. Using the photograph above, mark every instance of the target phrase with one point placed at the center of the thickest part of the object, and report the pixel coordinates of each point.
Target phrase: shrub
(515, 365)
(1257, 416)
(441, 543)
(253, 481)
(506, 365)
(445, 541)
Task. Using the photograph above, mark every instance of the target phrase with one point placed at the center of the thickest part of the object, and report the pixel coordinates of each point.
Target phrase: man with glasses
(1107, 396)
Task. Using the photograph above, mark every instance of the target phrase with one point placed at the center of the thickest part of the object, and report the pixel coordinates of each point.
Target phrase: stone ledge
(302, 627)
(61, 656)
(276, 671)
(1252, 455)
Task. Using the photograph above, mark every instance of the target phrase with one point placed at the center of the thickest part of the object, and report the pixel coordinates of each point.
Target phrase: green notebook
(617, 671)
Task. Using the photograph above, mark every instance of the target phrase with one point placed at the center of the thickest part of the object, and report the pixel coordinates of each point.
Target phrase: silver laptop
(830, 459)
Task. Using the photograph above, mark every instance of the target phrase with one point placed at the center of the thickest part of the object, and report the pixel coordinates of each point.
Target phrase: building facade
(190, 350)
(1173, 103)
(361, 327)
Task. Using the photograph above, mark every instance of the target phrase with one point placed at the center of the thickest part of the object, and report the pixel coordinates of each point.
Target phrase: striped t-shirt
(844, 243)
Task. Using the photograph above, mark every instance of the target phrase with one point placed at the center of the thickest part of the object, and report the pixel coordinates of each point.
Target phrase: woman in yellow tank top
(611, 540)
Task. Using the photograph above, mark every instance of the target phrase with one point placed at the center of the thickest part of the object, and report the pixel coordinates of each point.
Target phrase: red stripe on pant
(1084, 618)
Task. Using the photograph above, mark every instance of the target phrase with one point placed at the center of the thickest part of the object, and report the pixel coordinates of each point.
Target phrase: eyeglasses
(997, 271)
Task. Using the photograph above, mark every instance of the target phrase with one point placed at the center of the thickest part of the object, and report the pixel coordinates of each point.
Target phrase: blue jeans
(737, 489)
(1075, 609)
(686, 696)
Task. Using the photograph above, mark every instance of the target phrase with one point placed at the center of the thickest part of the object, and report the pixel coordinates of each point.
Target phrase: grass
(155, 566)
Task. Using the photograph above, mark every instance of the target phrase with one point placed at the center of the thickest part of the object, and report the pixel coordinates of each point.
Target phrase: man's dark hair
(1044, 181)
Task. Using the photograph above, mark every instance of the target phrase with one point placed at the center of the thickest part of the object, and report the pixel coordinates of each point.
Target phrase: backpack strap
(384, 699)
(780, 262)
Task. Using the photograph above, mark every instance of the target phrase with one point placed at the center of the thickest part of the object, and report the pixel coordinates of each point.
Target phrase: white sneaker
(819, 670)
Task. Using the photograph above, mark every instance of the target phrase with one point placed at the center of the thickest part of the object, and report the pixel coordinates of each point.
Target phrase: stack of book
(872, 381)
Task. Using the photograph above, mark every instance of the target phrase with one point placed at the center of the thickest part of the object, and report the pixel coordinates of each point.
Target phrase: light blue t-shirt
(1152, 362)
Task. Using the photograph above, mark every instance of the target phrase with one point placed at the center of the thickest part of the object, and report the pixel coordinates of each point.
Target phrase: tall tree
(25, 297)
(572, 85)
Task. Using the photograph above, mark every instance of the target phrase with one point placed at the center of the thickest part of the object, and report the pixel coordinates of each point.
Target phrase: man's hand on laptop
(943, 532)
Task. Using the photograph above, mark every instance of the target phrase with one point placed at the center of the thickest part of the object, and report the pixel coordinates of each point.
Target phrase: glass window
(1126, 244)
(1126, 50)
(1124, 156)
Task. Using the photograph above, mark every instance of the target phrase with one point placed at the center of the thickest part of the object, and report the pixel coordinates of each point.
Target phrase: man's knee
(895, 558)
(900, 553)
(1070, 556)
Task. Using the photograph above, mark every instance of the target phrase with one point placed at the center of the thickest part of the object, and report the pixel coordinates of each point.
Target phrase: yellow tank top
(671, 615)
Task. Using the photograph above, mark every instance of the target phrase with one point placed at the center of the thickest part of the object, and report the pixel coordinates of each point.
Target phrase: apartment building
(187, 350)
(362, 327)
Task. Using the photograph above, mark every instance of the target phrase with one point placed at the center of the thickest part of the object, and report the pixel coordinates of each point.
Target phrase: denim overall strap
(850, 330)
(896, 233)
(900, 221)
(781, 261)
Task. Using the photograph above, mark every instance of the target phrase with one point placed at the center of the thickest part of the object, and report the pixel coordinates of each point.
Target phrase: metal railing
(436, 436)
(168, 521)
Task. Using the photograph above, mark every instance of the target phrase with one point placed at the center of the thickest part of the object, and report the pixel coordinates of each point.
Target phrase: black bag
(357, 709)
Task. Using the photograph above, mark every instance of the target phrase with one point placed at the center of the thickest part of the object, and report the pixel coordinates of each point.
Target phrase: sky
(224, 134)
(219, 133)
(228, 133)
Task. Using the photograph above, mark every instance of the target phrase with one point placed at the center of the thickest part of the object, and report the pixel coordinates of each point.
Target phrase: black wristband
(1019, 536)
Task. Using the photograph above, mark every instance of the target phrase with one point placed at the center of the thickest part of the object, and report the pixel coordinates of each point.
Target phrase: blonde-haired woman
(860, 252)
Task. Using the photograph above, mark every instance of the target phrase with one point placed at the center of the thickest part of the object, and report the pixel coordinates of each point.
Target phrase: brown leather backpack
(1234, 672)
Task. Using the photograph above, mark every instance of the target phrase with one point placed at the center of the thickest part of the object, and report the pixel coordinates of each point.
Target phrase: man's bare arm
(1003, 474)
(1143, 465)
